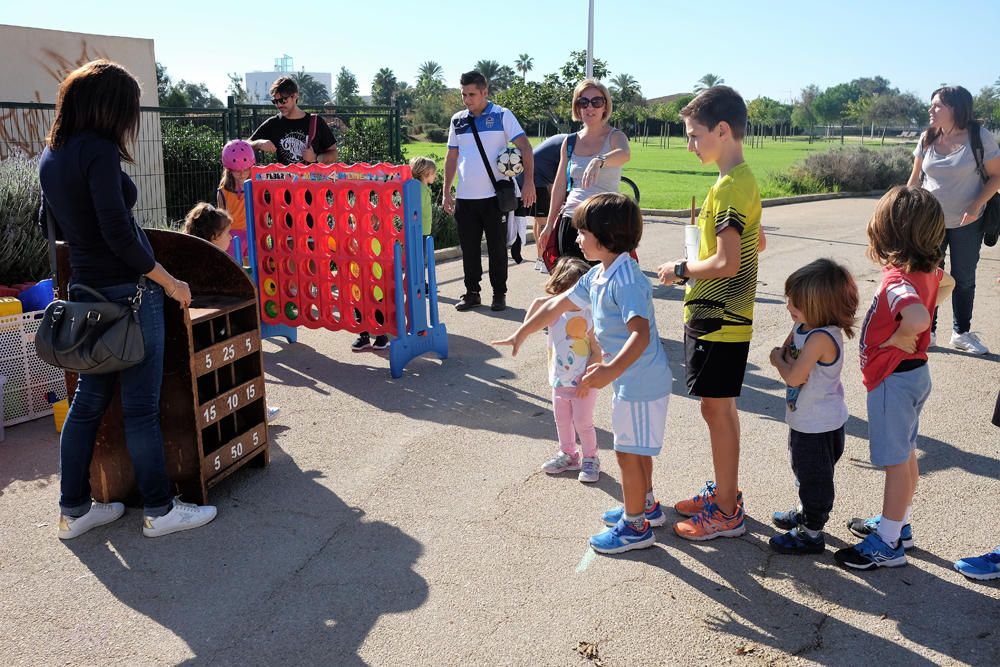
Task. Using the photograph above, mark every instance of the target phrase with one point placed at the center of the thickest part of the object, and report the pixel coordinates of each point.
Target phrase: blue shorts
(894, 415)
(638, 426)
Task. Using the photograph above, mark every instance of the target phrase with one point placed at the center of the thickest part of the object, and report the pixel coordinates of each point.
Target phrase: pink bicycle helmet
(238, 154)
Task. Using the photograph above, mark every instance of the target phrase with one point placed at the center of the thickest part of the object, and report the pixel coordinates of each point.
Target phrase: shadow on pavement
(288, 574)
(466, 390)
(910, 602)
(28, 456)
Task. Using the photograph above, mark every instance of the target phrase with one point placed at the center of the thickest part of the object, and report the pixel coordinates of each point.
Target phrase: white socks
(889, 530)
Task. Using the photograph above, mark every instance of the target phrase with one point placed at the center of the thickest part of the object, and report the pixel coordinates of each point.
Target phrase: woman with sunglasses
(593, 164)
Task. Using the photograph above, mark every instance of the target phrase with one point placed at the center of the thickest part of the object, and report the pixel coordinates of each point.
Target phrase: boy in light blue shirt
(609, 225)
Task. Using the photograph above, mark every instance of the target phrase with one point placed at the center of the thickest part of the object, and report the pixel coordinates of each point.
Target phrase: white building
(259, 83)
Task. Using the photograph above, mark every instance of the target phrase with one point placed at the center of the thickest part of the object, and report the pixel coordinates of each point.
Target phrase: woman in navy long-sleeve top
(91, 200)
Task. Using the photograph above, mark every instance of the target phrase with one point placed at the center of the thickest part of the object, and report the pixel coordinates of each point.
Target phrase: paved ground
(404, 522)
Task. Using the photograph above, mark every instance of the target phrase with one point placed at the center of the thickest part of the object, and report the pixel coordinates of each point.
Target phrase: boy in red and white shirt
(905, 235)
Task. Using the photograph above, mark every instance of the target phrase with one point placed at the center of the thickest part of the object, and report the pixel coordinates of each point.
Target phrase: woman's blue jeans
(963, 244)
(140, 394)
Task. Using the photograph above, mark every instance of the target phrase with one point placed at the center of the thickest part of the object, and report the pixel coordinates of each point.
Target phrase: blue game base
(410, 346)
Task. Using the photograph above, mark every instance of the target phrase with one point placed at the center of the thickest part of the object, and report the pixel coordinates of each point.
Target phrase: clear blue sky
(760, 48)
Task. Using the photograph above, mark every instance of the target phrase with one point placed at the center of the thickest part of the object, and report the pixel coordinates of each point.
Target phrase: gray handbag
(89, 337)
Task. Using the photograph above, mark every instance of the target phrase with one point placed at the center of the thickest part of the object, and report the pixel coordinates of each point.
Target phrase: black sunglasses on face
(597, 101)
(279, 100)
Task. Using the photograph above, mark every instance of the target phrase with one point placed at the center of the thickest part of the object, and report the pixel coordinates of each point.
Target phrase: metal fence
(177, 155)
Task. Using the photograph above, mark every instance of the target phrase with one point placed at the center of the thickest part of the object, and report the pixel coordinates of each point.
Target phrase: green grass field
(668, 177)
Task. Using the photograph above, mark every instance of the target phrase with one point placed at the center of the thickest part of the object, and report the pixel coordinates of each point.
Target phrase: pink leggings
(575, 415)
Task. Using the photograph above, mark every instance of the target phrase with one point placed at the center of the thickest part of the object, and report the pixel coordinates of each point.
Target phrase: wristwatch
(603, 158)
(680, 271)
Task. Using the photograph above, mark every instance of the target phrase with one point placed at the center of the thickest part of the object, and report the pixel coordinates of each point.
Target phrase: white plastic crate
(29, 379)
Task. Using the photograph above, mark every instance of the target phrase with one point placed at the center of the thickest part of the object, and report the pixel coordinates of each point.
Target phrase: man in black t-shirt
(288, 133)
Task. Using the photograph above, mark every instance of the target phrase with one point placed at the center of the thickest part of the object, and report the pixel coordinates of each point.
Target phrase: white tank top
(818, 406)
(608, 178)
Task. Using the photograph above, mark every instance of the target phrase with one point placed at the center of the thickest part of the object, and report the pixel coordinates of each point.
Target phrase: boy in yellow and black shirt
(718, 307)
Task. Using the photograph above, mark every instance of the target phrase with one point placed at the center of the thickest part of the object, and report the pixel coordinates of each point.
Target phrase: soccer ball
(509, 162)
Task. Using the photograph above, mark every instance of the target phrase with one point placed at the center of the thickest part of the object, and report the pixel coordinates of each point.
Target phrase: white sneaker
(968, 342)
(590, 470)
(561, 462)
(183, 516)
(272, 413)
(933, 339)
(99, 514)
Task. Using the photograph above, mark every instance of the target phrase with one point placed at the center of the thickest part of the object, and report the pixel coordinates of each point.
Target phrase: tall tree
(430, 71)
(875, 85)
(346, 88)
(404, 96)
(575, 69)
(162, 83)
(311, 91)
(194, 95)
(524, 64)
(237, 89)
(504, 78)
(384, 86)
(430, 83)
(487, 68)
(832, 105)
(626, 89)
(708, 81)
(529, 100)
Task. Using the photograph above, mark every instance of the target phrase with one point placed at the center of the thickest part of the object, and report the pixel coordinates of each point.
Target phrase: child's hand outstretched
(515, 340)
(907, 342)
(597, 376)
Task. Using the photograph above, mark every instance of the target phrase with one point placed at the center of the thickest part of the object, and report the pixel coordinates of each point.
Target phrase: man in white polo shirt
(475, 204)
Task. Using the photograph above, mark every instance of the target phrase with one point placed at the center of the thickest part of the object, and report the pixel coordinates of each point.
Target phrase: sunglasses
(597, 101)
(279, 100)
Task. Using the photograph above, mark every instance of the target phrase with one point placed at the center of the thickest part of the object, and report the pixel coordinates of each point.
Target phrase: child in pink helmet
(237, 158)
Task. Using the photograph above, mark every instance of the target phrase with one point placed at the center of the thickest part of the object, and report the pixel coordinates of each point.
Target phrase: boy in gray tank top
(822, 299)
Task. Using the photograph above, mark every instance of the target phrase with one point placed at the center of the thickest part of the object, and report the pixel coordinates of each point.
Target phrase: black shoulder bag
(506, 199)
(991, 214)
(89, 337)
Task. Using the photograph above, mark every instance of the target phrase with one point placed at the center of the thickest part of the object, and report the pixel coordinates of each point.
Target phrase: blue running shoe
(796, 541)
(871, 553)
(788, 519)
(655, 516)
(982, 567)
(864, 527)
(621, 538)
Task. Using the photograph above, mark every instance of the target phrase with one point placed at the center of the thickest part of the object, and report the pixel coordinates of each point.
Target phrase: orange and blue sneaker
(711, 523)
(622, 537)
(704, 498)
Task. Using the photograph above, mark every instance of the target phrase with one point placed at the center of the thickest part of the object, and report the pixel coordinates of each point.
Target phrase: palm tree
(430, 71)
(708, 81)
(404, 96)
(524, 64)
(384, 86)
(311, 91)
(626, 88)
(488, 68)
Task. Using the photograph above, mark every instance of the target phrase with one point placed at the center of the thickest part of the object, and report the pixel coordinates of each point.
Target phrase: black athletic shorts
(540, 208)
(714, 369)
